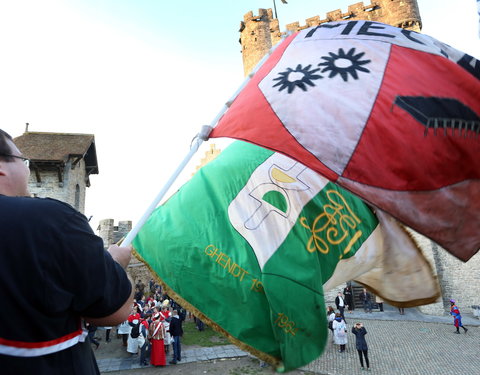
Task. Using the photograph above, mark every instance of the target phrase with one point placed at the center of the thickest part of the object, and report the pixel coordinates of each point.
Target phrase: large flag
(249, 242)
(389, 114)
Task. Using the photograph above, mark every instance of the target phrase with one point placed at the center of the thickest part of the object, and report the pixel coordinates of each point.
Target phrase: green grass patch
(207, 337)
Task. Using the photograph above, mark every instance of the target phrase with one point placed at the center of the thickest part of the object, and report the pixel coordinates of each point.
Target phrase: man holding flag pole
(49, 254)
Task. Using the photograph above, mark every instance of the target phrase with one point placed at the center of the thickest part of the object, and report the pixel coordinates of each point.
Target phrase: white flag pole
(202, 136)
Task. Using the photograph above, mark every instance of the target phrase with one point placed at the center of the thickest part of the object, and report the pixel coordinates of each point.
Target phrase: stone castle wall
(65, 191)
(260, 32)
(111, 233)
(458, 280)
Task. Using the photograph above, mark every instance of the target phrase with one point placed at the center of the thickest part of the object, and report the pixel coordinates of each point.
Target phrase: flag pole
(200, 138)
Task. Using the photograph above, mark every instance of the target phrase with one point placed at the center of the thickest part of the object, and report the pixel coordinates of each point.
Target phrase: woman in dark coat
(347, 292)
(359, 331)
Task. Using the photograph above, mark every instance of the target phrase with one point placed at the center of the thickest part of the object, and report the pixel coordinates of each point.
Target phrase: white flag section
(253, 216)
(478, 11)
(391, 265)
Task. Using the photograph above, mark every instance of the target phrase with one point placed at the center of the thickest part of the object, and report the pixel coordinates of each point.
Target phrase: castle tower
(61, 164)
(105, 231)
(110, 233)
(259, 33)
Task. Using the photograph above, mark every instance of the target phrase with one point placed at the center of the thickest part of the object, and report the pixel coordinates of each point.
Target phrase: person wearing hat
(156, 334)
(457, 318)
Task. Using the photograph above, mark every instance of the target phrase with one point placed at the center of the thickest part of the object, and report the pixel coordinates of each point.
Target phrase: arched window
(77, 197)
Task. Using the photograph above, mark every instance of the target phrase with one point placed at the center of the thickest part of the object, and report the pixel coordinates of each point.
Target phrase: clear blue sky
(144, 75)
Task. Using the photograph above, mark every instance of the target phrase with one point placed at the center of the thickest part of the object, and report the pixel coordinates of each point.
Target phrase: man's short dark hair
(4, 146)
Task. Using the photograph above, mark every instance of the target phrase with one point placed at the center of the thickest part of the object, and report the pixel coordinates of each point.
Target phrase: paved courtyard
(407, 347)
(407, 344)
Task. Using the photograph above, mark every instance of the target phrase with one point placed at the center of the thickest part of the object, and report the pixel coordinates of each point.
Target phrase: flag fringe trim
(275, 362)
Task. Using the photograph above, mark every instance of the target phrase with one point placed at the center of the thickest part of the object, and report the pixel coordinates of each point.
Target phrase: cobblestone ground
(406, 348)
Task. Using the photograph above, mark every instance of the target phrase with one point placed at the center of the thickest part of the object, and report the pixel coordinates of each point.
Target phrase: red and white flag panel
(390, 114)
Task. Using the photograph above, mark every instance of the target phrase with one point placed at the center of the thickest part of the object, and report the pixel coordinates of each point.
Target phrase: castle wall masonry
(258, 33)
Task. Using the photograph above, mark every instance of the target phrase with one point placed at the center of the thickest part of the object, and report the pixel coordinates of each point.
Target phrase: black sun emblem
(344, 64)
(300, 77)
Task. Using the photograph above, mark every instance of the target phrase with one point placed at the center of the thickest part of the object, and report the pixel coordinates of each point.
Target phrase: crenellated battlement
(258, 33)
(355, 11)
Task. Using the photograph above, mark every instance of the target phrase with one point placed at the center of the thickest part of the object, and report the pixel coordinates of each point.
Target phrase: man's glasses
(25, 160)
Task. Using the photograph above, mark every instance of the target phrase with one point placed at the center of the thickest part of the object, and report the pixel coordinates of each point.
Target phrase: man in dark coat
(366, 298)
(176, 331)
(55, 276)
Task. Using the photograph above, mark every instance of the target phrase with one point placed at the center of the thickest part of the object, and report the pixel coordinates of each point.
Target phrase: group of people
(346, 300)
(338, 327)
(151, 328)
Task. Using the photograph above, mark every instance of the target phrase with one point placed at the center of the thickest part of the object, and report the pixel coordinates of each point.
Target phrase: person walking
(340, 332)
(55, 277)
(361, 344)
(176, 331)
(457, 318)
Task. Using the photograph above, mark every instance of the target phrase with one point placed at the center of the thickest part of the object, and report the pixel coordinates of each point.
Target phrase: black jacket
(360, 342)
(176, 327)
(337, 302)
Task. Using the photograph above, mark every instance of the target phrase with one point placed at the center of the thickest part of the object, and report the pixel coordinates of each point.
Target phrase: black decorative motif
(471, 65)
(344, 64)
(300, 77)
(441, 113)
